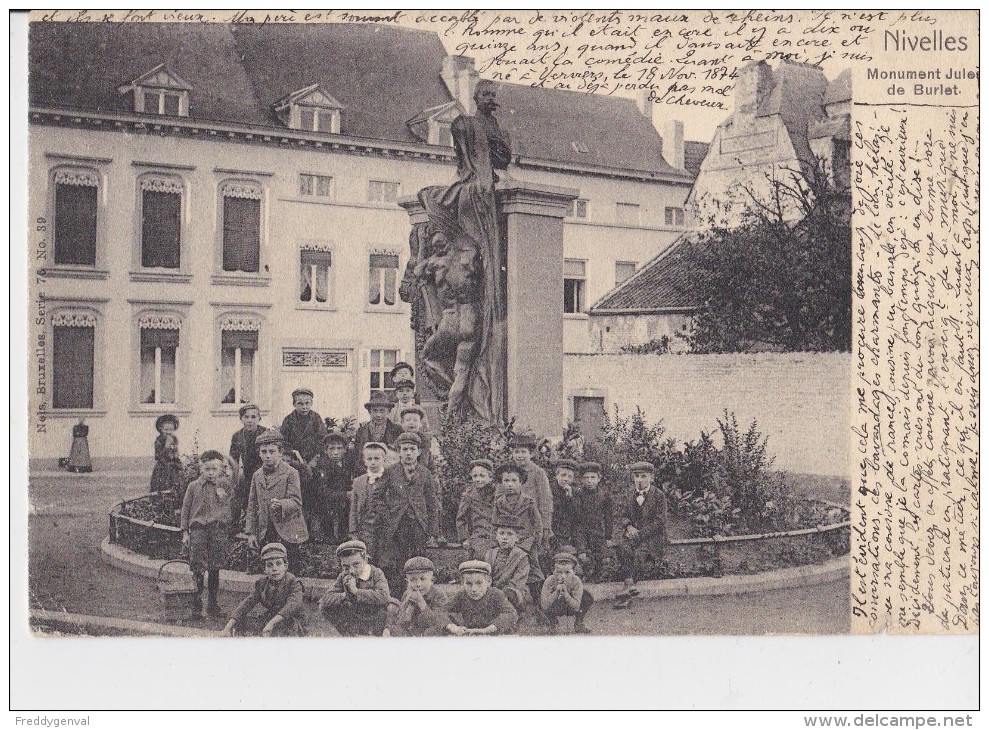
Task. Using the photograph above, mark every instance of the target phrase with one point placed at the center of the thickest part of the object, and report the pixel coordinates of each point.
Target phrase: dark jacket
(649, 519)
(284, 597)
(332, 479)
(512, 572)
(394, 496)
(524, 508)
(566, 515)
(244, 451)
(363, 436)
(304, 434)
(372, 594)
(360, 495)
(410, 620)
(474, 516)
(595, 518)
(493, 608)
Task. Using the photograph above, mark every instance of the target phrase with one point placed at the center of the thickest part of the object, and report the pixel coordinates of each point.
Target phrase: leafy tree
(782, 279)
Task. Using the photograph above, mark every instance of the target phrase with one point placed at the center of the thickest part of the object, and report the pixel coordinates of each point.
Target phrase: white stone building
(215, 220)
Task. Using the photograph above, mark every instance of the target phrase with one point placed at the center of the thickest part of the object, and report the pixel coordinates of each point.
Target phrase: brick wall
(801, 400)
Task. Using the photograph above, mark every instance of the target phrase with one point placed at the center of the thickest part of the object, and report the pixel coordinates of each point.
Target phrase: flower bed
(149, 525)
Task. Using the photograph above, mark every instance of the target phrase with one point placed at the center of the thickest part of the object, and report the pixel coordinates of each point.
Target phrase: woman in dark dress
(79, 460)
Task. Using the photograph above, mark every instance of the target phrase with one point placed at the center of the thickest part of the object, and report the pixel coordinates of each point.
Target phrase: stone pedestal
(531, 226)
(531, 229)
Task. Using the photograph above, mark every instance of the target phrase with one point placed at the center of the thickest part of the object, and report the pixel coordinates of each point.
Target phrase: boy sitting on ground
(280, 595)
(479, 609)
(509, 563)
(564, 595)
(357, 603)
(421, 611)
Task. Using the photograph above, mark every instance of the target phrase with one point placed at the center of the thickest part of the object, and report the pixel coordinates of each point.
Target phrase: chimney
(673, 143)
(754, 83)
(460, 76)
(646, 106)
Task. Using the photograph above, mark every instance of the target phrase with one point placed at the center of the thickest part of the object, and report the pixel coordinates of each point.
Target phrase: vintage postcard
(492, 323)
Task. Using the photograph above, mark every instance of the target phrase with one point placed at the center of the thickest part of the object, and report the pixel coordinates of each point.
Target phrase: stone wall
(801, 400)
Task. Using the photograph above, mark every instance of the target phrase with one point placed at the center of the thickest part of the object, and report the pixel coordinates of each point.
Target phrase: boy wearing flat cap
(379, 429)
(274, 506)
(333, 476)
(475, 530)
(478, 609)
(414, 421)
(595, 513)
(535, 484)
(303, 428)
(509, 564)
(357, 603)
(279, 593)
(421, 612)
(643, 529)
(404, 511)
(405, 397)
(563, 594)
(244, 452)
(565, 502)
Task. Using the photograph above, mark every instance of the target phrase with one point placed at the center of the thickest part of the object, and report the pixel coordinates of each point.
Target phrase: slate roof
(384, 76)
(840, 89)
(666, 282)
(693, 155)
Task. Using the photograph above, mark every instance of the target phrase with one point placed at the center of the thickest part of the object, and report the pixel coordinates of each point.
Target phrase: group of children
(379, 490)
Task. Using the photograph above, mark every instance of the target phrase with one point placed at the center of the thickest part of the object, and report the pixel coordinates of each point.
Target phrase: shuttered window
(241, 227)
(161, 223)
(76, 195)
(73, 350)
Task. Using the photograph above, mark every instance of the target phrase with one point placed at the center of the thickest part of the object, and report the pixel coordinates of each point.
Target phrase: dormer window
(433, 125)
(440, 134)
(310, 109)
(159, 91)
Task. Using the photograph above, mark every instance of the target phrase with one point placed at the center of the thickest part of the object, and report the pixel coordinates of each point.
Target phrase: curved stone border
(103, 625)
(804, 575)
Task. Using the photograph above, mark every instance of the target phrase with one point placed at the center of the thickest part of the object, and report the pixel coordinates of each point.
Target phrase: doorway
(327, 372)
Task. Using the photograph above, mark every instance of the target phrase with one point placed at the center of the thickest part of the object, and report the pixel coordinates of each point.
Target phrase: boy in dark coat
(357, 603)
(303, 428)
(478, 609)
(565, 503)
(379, 429)
(595, 518)
(404, 511)
(475, 530)
(422, 610)
(643, 529)
(244, 452)
(280, 595)
(333, 477)
(509, 564)
(206, 516)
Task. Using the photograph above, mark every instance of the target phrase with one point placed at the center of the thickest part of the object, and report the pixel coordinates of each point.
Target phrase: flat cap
(400, 366)
(505, 520)
(413, 409)
(271, 436)
(566, 558)
(379, 399)
(273, 550)
(336, 435)
(642, 466)
(522, 440)
(247, 407)
(486, 463)
(302, 391)
(408, 437)
(590, 466)
(419, 564)
(375, 445)
(350, 547)
(511, 467)
(405, 384)
(567, 464)
(474, 566)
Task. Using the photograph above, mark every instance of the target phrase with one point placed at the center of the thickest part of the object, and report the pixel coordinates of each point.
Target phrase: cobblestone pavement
(68, 522)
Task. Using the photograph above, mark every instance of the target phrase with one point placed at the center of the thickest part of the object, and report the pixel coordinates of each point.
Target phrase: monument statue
(455, 276)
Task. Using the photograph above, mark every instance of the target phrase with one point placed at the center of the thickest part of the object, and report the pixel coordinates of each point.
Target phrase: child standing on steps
(207, 512)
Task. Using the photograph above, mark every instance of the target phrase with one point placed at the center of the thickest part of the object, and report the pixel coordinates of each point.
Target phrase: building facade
(216, 221)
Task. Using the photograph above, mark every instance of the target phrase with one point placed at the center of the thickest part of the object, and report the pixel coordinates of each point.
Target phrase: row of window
(575, 282)
(76, 205)
(159, 384)
(628, 214)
